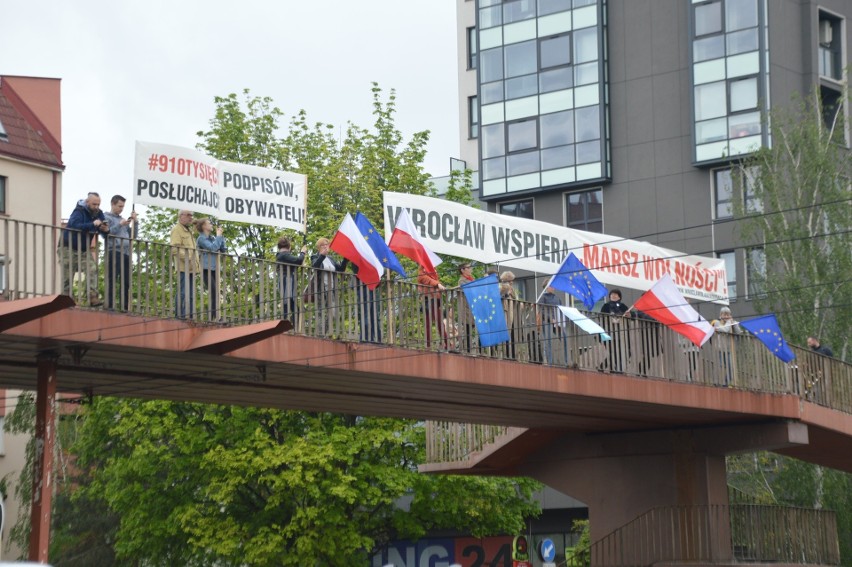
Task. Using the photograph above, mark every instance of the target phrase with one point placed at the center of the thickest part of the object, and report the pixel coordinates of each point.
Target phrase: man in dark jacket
(817, 347)
(288, 273)
(86, 223)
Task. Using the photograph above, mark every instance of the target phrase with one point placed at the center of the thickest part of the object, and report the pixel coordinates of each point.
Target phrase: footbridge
(631, 427)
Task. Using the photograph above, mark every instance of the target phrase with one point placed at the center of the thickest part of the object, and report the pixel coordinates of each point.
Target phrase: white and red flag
(351, 244)
(665, 303)
(406, 240)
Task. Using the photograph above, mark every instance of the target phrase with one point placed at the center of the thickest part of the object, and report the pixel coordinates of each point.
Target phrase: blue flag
(483, 298)
(574, 278)
(377, 243)
(768, 332)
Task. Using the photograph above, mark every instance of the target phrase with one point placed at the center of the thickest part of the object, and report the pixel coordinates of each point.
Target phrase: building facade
(31, 192)
(624, 116)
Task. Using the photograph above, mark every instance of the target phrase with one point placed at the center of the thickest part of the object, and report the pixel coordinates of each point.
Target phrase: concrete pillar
(675, 480)
(45, 437)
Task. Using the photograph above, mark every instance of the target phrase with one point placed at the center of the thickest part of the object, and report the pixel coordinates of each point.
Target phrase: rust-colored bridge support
(622, 476)
(45, 438)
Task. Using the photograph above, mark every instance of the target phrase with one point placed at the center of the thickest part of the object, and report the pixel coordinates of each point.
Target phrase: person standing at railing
(86, 223)
(616, 326)
(211, 247)
(185, 258)
(547, 319)
(324, 285)
(288, 272)
(118, 252)
(431, 288)
(465, 316)
(510, 303)
(727, 326)
(815, 345)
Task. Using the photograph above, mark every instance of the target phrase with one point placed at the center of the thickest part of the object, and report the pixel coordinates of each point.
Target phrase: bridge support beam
(45, 438)
(621, 476)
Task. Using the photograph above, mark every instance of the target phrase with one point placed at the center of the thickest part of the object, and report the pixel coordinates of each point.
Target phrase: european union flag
(483, 298)
(574, 278)
(768, 332)
(377, 243)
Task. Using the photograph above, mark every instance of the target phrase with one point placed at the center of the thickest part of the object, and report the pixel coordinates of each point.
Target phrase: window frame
(585, 202)
(731, 283)
(535, 138)
(472, 49)
(570, 62)
(473, 117)
(531, 202)
(4, 194)
(755, 278)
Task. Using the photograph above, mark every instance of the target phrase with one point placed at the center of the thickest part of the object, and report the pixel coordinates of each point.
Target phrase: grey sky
(149, 70)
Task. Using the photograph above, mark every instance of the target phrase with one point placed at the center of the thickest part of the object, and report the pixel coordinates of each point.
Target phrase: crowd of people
(197, 248)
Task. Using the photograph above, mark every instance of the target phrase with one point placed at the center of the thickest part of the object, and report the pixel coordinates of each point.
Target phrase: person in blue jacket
(86, 223)
(211, 248)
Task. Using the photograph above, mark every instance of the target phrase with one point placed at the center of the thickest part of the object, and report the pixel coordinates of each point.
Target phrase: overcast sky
(135, 70)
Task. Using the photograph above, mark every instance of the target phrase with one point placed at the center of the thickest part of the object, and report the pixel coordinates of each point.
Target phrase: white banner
(536, 246)
(182, 178)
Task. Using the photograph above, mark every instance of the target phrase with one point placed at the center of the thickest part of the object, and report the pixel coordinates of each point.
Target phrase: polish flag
(351, 244)
(665, 303)
(406, 240)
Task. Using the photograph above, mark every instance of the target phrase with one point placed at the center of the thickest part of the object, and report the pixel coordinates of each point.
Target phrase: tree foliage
(803, 183)
(197, 484)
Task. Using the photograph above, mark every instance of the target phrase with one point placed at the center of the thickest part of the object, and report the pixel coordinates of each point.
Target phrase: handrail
(337, 306)
(715, 533)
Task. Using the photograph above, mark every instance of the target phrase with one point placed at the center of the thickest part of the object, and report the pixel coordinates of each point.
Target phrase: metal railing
(740, 532)
(237, 289)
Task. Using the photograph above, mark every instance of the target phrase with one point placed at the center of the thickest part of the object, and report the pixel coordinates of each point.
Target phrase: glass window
(490, 17)
(521, 209)
(742, 41)
(556, 158)
(492, 92)
(756, 272)
(519, 164)
(491, 61)
(493, 140)
(520, 87)
(586, 45)
(740, 14)
(585, 210)
(494, 168)
(743, 125)
(546, 7)
(521, 59)
(730, 258)
(585, 74)
(3, 194)
(471, 48)
(557, 129)
(744, 94)
(581, 3)
(3, 134)
(724, 193)
(517, 10)
(555, 80)
(521, 135)
(707, 48)
(555, 51)
(473, 114)
(711, 131)
(587, 122)
(830, 49)
(588, 152)
(710, 101)
(708, 18)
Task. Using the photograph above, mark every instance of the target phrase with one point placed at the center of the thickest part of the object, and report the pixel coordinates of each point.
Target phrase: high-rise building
(624, 116)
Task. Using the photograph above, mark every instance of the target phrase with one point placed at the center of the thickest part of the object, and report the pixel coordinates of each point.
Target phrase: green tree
(800, 207)
(198, 485)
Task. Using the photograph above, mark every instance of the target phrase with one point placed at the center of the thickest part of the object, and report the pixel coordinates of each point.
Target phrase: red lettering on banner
(591, 256)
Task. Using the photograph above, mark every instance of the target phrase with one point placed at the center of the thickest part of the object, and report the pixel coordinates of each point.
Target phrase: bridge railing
(233, 289)
(713, 534)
